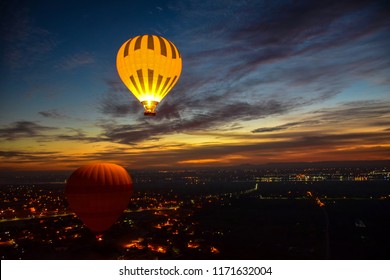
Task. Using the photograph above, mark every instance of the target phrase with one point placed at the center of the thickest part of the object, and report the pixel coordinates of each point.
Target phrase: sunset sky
(262, 81)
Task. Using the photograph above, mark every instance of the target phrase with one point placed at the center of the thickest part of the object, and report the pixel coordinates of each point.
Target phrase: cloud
(27, 129)
(22, 156)
(76, 60)
(285, 126)
(52, 114)
(369, 113)
(23, 129)
(76, 135)
(157, 127)
(118, 101)
(362, 113)
(33, 160)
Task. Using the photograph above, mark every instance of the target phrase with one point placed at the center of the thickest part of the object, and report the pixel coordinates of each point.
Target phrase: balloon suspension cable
(150, 107)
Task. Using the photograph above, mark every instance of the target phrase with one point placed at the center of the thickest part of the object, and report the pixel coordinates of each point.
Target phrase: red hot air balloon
(98, 194)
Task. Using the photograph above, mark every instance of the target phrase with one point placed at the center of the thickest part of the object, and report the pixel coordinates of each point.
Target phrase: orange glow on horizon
(199, 161)
(181, 149)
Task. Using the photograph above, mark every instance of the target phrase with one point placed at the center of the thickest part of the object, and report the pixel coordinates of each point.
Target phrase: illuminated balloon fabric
(98, 194)
(149, 66)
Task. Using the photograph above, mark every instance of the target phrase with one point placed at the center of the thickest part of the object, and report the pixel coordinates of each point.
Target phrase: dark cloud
(24, 155)
(23, 129)
(27, 129)
(10, 154)
(360, 111)
(130, 134)
(118, 101)
(169, 110)
(76, 60)
(116, 85)
(152, 129)
(226, 114)
(365, 113)
(76, 135)
(117, 107)
(284, 126)
(52, 114)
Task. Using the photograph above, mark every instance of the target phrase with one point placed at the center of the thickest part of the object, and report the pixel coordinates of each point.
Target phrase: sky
(262, 82)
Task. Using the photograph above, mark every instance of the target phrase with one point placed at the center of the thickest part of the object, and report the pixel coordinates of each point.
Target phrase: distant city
(220, 213)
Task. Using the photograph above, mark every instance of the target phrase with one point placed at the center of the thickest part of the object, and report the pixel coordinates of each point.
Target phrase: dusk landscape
(273, 142)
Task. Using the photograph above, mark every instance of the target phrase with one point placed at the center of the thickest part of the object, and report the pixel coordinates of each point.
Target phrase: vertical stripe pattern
(150, 66)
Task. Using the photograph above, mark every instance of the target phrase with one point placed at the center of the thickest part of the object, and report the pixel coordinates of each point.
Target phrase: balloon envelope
(98, 194)
(149, 66)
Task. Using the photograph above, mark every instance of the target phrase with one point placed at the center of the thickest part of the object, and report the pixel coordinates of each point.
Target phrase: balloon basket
(150, 107)
(99, 237)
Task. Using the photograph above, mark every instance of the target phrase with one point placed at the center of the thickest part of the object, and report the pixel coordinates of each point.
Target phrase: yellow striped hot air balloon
(149, 66)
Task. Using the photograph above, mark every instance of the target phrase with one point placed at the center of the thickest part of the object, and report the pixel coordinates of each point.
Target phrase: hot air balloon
(149, 66)
(98, 194)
